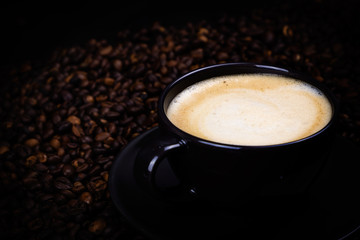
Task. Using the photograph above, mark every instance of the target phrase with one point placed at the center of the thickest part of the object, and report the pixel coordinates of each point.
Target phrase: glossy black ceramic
(330, 208)
(230, 174)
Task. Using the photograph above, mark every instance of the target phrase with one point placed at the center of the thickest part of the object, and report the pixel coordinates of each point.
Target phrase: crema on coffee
(250, 109)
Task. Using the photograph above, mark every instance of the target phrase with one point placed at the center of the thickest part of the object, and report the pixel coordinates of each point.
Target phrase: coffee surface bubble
(250, 109)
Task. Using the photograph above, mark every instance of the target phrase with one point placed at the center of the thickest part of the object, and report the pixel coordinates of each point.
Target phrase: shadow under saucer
(329, 210)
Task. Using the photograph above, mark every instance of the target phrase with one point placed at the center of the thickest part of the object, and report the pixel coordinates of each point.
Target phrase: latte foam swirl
(251, 109)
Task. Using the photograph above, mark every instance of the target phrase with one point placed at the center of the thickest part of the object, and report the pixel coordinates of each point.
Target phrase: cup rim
(269, 69)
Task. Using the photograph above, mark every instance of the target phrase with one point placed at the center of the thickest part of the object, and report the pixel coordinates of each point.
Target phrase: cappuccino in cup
(250, 109)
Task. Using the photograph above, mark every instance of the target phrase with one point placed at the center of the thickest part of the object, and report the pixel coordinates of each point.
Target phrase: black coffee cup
(225, 173)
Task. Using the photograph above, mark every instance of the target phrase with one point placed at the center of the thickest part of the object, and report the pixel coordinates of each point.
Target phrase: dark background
(32, 29)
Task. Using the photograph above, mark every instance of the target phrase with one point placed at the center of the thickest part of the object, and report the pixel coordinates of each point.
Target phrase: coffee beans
(63, 121)
(63, 183)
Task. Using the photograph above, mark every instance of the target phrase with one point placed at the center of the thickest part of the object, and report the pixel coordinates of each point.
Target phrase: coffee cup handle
(149, 159)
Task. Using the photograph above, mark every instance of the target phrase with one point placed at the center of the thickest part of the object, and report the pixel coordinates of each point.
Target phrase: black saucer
(330, 210)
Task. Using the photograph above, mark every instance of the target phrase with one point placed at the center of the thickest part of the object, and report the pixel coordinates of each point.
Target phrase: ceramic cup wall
(225, 173)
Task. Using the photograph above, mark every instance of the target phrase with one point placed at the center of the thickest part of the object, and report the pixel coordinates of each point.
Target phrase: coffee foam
(250, 109)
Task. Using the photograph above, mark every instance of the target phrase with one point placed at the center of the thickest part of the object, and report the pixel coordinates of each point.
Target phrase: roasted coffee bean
(97, 226)
(63, 183)
(48, 132)
(72, 145)
(95, 170)
(64, 126)
(46, 197)
(67, 193)
(112, 115)
(32, 183)
(86, 197)
(87, 154)
(99, 150)
(102, 136)
(77, 130)
(97, 185)
(47, 181)
(53, 159)
(68, 170)
(32, 142)
(4, 149)
(83, 167)
(41, 167)
(56, 169)
(86, 139)
(74, 120)
(31, 160)
(55, 143)
(102, 160)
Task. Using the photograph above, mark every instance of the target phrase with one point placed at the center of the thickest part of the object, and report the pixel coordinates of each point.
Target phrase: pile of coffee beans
(62, 121)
